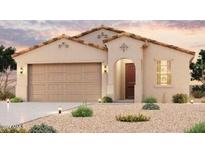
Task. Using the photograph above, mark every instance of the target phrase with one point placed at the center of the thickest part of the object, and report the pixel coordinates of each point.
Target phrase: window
(163, 72)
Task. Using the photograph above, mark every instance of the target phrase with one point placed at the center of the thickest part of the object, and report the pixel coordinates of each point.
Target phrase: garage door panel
(65, 82)
(38, 89)
(36, 98)
(38, 77)
(91, 77)
(55, 77)
(91, 68)
(55, 89)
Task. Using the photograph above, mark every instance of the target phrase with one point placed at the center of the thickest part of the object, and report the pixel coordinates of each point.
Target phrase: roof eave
(137, 37)
(56, 39)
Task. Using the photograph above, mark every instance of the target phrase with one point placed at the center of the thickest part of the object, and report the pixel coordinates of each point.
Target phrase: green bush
(43, 128)
(132, 118)
(82, 111)
(199, 88)
(197, 94)
(150, 106)
(4, 96)
(197, 128)
(180, 98)
(150, 100)
(107, 99)
(12, 130)
(16, 100)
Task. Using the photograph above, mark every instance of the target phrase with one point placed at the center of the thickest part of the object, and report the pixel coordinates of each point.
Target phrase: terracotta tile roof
(55, 39)
(98, 28)
(147, 40)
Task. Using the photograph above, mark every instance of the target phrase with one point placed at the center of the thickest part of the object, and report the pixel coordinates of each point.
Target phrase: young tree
(7, 64)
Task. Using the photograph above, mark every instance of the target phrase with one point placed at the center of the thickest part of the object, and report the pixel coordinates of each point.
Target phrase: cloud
(29, 32)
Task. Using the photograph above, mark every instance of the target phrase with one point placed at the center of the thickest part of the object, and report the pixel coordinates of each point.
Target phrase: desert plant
(150, 106)
(16, 100)
(132, 118)
(82, 111)
(197, 94)
(150, 100)
(5, 95)
(199, 88)
(12, 130)
(42, 128)
(197, 128)
(7, 65)
(107, 99)
(180, 98)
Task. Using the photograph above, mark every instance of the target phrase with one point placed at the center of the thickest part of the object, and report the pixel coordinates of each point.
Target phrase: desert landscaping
(170, 118)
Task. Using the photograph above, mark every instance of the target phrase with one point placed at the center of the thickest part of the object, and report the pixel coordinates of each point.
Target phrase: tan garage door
(64, 82)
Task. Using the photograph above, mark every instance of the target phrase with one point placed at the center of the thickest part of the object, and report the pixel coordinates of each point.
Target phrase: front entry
(129, 80)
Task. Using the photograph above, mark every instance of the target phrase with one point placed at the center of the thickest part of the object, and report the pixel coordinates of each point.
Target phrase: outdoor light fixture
(99, 100)
(7, 100)
(105, 68)
(59, 110)
(192, 101)
(21, 70)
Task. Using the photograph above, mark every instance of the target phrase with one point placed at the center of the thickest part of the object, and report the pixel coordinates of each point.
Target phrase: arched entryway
(124, 79)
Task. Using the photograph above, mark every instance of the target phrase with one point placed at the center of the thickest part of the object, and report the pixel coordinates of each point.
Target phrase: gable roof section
(138, 37)
(56, 39)
(98, 28)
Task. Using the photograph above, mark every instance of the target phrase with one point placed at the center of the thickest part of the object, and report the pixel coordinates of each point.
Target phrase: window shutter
(158, 72)
(169, 76)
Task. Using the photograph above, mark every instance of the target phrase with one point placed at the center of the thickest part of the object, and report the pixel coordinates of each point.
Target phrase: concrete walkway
(18, 113)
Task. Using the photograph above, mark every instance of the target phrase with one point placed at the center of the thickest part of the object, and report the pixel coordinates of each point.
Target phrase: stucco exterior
(144, 59)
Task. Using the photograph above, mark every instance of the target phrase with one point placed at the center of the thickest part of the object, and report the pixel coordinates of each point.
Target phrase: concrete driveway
(18, 113)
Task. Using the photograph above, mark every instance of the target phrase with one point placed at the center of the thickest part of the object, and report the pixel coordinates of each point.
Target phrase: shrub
(16, 100)
(43, 128)
(12, 130)
(150, 106)
(82, 111)
(199, 88)
(150, 100)
(203, 101)
(107, 99)
(197, 94)
(4, 96)
(180, 98)
(197, 128)
(132, 118)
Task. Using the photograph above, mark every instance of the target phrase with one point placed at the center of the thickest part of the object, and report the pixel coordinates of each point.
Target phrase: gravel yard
(170, 118)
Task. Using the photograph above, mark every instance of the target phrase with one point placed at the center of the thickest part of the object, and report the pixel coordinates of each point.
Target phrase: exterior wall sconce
(192, 101)
(21, 70)
(105, 69)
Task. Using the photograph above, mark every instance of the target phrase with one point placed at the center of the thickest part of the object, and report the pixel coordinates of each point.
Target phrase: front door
(129, 80)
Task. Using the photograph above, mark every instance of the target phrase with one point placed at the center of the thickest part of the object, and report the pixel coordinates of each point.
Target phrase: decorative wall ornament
(63, 44)
(102, 35)
(123, 47)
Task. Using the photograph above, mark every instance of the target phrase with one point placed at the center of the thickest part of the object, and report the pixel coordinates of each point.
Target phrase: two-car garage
(66, 82)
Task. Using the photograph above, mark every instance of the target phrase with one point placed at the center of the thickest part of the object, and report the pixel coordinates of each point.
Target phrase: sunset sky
(22, 34)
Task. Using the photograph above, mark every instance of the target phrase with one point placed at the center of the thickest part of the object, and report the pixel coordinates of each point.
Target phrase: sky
(21, 34)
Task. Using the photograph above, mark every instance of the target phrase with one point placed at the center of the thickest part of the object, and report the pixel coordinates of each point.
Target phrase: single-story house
(101, 62)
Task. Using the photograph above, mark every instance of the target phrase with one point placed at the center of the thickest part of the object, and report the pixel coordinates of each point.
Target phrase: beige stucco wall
(112, 82)
(75, 53)
(145, 65)
(92, 37)
(134, 53)
(179, 69)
